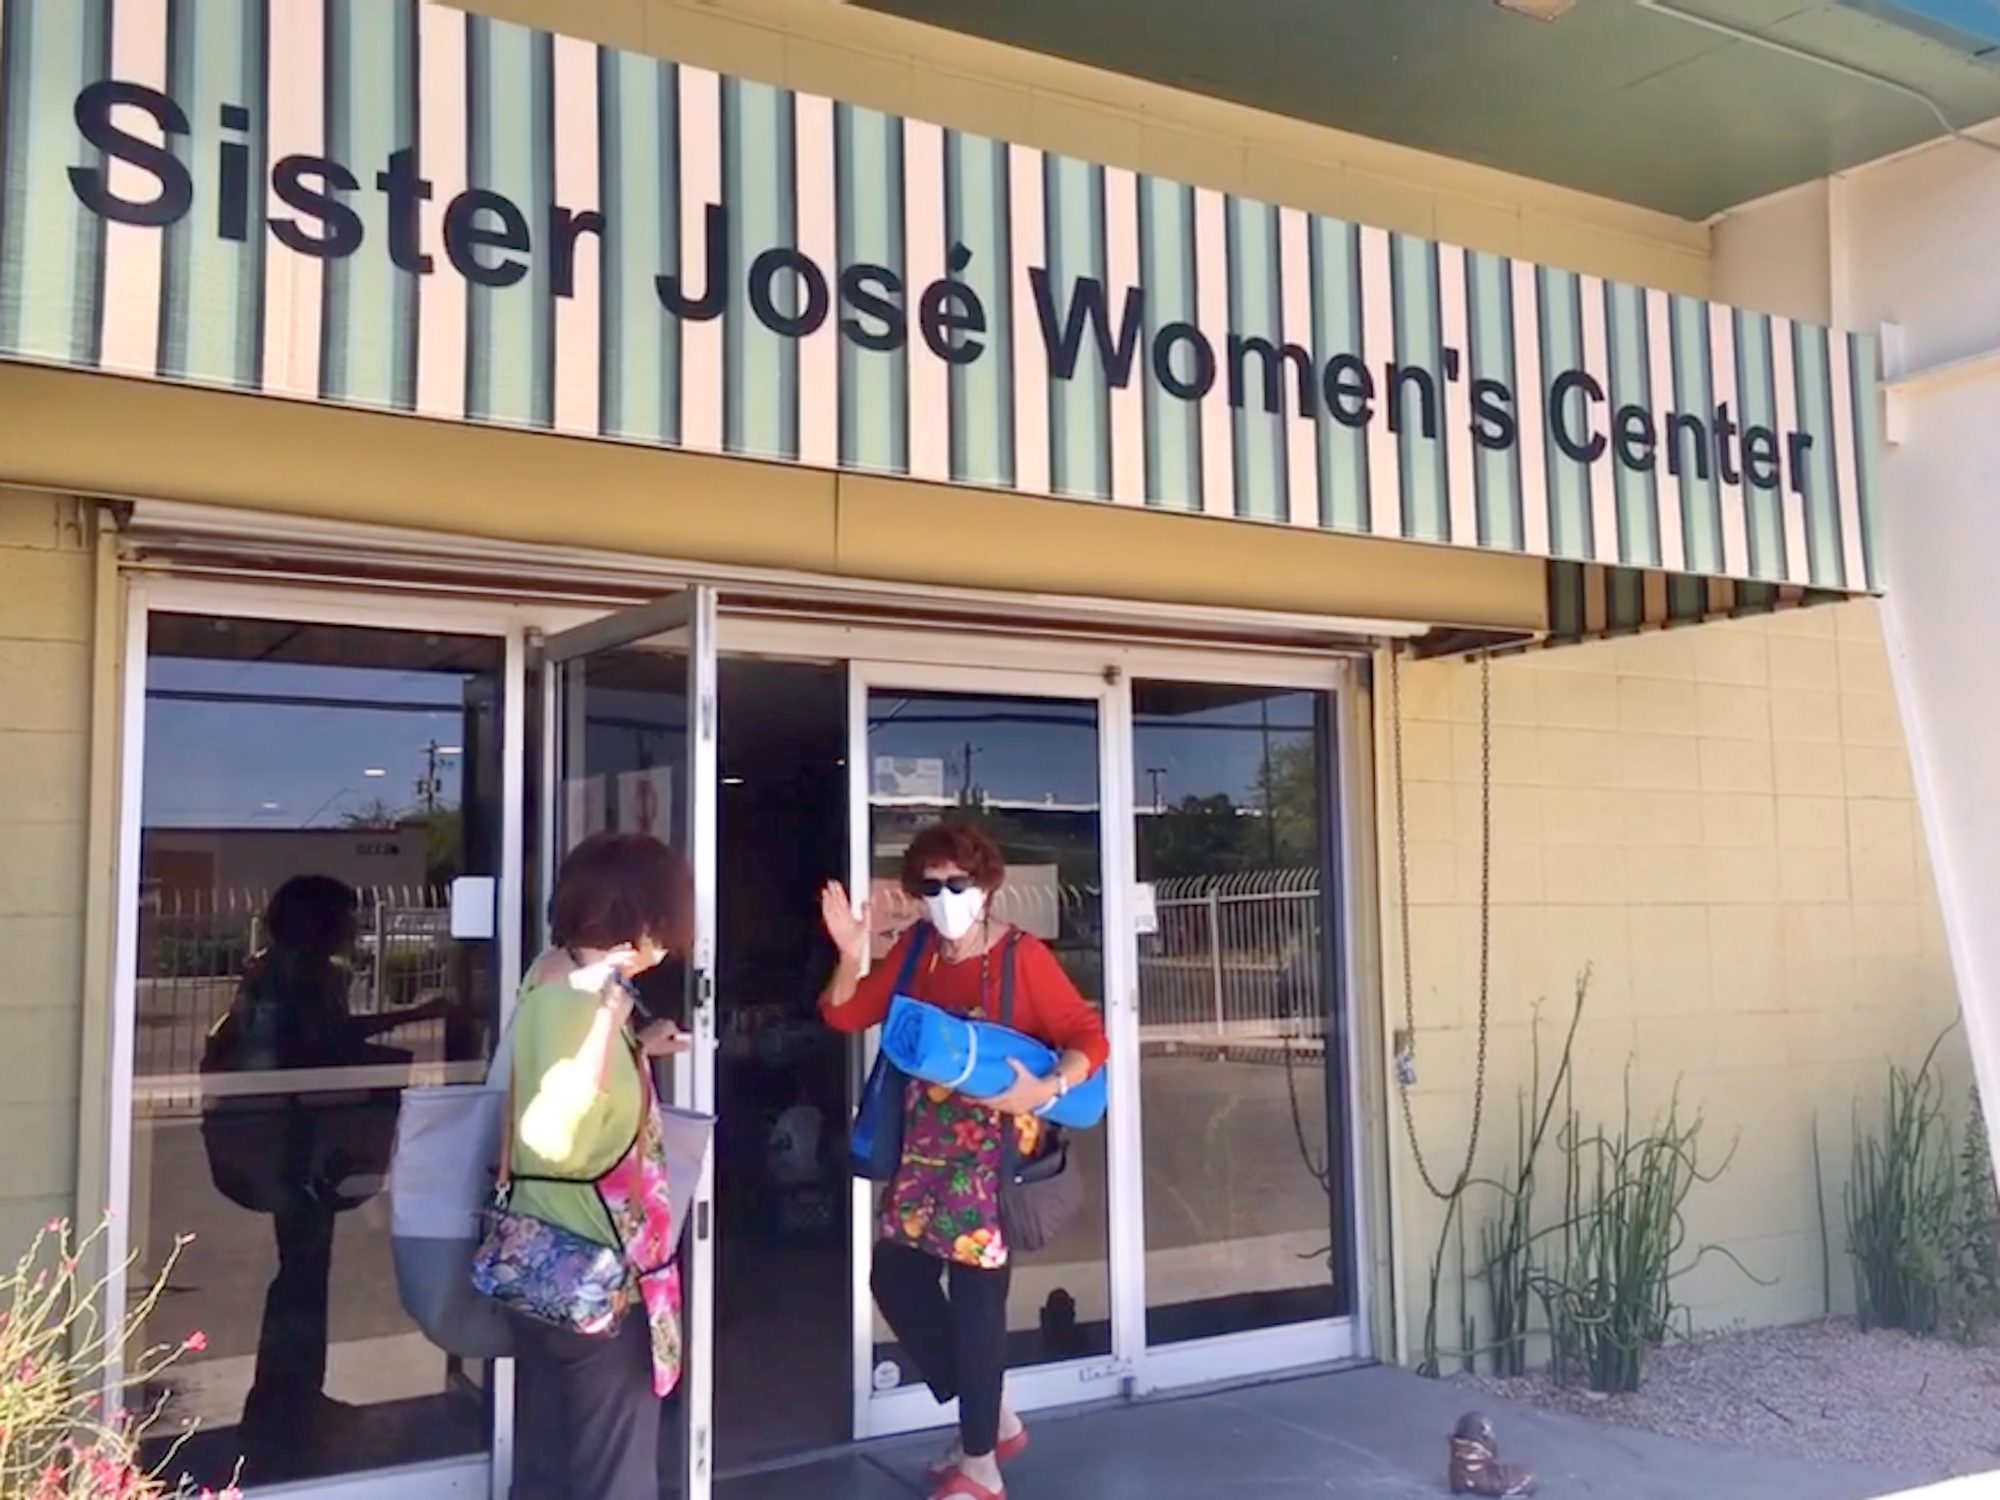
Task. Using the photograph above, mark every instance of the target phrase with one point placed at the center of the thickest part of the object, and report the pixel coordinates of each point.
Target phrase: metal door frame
(690, 613)
(1286, 1349)
(911, 1408)
(475, 1475)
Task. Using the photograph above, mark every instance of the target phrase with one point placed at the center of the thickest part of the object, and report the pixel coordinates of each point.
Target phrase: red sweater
(1047, 1006)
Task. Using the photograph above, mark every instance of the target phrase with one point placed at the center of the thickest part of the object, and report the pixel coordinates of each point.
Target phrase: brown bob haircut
(953, 844)
(618, 888)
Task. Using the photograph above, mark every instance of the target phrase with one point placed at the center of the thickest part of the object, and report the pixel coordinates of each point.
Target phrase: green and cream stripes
(369, 326)
(976, 195)
(639, 111)
(1588, 602)
(560, 127)
(51, 250)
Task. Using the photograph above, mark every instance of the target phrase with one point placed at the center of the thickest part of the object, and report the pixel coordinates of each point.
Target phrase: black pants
(587, 1419)
(291, 1346)
(959, 1342)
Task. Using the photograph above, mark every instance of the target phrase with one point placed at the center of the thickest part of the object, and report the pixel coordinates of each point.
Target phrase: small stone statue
(1475, 1462)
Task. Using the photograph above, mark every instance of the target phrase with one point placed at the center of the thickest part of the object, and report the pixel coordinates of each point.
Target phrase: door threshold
(805, 1458)
(864, 1447)
(1286, 1376)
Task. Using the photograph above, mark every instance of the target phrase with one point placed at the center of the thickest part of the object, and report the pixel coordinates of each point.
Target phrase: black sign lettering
(1087, 311)
(175, 195)
(341, 230)
(1565, 424)
(467, 236)
(489, 240)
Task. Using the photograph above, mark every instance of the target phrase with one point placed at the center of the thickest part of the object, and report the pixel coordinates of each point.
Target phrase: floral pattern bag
(638, 1194)
(545, 1272)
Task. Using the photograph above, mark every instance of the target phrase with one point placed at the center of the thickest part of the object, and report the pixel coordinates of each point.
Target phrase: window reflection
(1237, 1028)
(310, 794)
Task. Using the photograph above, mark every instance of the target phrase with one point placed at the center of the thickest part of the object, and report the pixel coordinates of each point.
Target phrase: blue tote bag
(875, 1148)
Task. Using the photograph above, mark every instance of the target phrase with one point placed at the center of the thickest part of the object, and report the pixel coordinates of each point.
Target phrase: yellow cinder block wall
(1720, 823)
(46, 591)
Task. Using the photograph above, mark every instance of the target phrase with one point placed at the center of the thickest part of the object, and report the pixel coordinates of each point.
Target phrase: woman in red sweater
(940, 1218)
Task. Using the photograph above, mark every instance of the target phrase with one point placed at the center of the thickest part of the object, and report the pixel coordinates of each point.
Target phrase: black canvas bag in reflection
(270, 1148)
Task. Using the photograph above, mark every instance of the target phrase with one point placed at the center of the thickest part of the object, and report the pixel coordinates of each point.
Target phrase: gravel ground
(1930, 1407)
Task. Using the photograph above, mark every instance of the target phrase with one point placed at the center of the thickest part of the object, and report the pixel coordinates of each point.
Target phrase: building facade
(427, 438)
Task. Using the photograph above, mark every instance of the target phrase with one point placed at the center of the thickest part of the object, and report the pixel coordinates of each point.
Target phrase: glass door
(1241, 1048)
(322, 826)
(1026, 757)
(628, 707)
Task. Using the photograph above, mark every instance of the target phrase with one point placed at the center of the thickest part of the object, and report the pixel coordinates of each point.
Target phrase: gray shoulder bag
(1038, 1197)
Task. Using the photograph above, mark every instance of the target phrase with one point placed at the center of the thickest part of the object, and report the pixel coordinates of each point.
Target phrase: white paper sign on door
(472, 908)
(918, 778)
(646, 802)
(1145, 909)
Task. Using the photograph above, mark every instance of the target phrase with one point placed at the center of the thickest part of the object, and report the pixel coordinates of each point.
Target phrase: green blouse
(564, 1126)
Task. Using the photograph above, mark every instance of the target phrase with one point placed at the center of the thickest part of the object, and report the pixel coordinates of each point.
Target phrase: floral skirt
(945, 1197)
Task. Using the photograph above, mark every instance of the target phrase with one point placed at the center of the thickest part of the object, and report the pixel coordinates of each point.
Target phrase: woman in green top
(590, 1417)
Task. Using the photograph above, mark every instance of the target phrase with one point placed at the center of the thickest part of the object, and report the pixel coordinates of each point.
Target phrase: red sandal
(1008, 1450)
(957, 1486)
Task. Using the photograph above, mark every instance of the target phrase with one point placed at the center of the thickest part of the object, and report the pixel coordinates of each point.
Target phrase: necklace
(985, 965)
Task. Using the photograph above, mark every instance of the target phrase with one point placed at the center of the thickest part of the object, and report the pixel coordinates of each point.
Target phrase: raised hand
(848, 931)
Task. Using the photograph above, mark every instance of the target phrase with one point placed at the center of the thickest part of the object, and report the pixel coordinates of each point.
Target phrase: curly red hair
(956, 844)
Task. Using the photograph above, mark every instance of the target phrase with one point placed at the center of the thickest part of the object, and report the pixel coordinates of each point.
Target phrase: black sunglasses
(958, 885)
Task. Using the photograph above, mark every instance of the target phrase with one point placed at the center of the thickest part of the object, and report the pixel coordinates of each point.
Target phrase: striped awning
(399, 206)
(1587, 602)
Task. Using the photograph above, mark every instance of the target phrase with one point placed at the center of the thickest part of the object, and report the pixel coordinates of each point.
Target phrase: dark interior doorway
(783, 1328)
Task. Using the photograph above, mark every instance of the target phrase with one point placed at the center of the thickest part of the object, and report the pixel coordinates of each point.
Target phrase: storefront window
(311, 795)
(1238, 1027)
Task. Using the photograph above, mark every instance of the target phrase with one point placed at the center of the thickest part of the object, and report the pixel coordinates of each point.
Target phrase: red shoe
(957, 1486)
(1008, 1450)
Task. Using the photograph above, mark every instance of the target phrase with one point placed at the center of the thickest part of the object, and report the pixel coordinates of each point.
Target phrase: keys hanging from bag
(1041, 1196)
(875, 1146)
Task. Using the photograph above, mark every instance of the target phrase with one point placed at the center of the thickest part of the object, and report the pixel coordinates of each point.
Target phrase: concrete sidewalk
(1375, 1434)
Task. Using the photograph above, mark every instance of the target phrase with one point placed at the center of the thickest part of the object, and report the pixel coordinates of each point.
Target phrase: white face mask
(955, 913)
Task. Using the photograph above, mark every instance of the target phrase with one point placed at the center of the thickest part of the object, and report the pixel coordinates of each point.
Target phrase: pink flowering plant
(70, 1378)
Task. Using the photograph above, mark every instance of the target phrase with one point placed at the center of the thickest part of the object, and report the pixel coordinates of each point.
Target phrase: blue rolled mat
(976, 1057)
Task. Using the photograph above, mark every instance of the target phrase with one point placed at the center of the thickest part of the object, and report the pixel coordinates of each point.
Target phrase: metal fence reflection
(193, 944)
(1235, 958)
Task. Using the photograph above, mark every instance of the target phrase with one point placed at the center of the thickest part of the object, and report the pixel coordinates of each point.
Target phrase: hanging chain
(1406, 1053)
